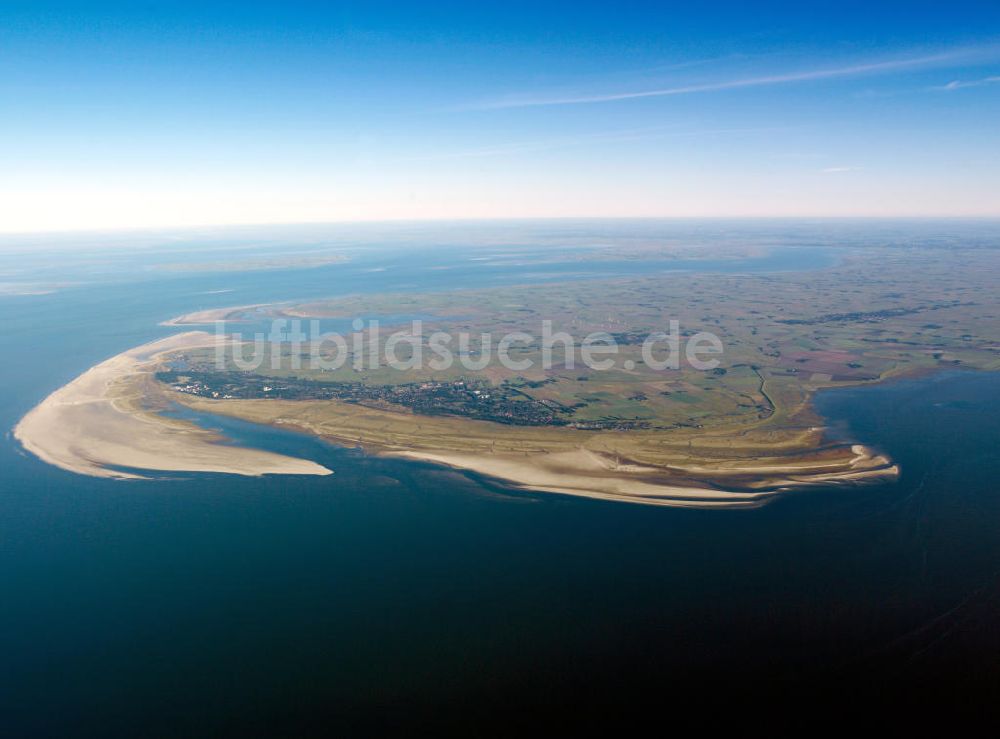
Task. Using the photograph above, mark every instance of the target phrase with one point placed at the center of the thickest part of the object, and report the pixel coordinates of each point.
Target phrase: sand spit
(588, 474)
(546, 461)
(95, 423)
(211, 315)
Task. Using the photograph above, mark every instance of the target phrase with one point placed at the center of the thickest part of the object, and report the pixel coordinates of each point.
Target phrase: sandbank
(97, 423)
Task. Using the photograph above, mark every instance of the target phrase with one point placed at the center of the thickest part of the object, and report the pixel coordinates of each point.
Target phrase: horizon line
(497, 219)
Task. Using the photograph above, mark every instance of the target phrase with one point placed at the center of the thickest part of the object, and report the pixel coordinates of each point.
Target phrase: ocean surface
(395, 592)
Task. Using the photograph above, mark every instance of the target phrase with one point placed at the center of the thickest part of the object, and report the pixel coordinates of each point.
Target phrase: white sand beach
(92, 426)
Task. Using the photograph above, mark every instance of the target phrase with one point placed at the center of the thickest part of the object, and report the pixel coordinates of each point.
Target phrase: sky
(148, 114)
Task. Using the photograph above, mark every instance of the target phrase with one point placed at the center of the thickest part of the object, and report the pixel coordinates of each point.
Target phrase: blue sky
(162, 114)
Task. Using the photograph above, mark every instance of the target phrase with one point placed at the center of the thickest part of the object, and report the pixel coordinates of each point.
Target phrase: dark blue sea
(393, 594)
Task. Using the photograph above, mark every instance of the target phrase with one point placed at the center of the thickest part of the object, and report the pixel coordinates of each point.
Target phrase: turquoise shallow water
(393, 592)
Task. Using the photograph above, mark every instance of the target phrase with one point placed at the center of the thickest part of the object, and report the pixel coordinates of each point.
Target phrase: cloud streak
(854, 70)
(961, 84)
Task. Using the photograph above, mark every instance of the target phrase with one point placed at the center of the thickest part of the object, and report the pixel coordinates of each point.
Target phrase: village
(462, 397)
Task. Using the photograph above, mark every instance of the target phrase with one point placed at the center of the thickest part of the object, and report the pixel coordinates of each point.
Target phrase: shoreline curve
(96, 423)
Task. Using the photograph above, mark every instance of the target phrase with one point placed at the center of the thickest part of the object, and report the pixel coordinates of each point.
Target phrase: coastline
(584, 475)
(103, 419)
(577, 465)
(97, 422)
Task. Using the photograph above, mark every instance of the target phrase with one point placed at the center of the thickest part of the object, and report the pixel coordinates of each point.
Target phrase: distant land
(735, 436)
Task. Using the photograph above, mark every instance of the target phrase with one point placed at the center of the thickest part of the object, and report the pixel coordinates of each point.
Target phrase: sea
(394, 595)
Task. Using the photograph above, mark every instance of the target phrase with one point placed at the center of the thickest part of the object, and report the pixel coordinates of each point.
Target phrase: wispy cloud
(839, 170)
(866, 68)
(960, 84)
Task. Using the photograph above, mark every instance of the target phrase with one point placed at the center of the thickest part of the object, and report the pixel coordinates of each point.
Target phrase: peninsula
(737, 435)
